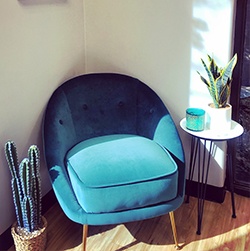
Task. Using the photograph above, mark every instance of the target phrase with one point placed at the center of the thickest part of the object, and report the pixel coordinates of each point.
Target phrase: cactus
(26, 186)
(12, 159)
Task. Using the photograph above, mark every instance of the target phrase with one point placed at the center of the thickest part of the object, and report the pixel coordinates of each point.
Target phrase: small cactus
(26, 186)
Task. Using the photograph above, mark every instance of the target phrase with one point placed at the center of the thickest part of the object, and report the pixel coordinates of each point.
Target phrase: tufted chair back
(105, 103)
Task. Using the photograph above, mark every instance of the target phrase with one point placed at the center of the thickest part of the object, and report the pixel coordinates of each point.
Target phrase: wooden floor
(219, 231)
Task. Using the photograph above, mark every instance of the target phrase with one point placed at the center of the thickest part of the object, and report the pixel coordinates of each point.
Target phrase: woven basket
(34, 241)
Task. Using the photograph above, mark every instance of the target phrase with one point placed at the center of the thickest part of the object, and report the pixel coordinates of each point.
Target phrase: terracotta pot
(35, 241)
(219, 119)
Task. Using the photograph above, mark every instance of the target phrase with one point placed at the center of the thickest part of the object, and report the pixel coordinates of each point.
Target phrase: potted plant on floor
(29, 231)
(219, 86)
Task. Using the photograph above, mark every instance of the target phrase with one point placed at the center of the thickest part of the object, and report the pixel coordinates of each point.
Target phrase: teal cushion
(119, 172)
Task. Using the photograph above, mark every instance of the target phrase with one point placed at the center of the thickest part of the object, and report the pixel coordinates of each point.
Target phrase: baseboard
(242, 190)
(6, 240)
(215, 194)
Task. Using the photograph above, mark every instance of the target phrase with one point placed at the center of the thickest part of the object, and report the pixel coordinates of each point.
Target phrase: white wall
(44, 42)
(41, 45)
(161, 42)
(147, 39)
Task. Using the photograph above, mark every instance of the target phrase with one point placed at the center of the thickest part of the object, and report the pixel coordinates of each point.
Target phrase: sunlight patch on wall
(211, 35)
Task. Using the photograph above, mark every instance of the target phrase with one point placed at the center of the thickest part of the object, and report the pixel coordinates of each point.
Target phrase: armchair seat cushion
(121, 171)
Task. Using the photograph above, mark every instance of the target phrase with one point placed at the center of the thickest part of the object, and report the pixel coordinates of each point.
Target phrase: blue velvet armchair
(112, 151)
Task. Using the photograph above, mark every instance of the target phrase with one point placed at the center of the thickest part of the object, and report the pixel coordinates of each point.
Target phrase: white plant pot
(219, 119)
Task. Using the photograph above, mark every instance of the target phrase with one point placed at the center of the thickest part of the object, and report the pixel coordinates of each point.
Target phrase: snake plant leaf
(228, 70)
(209, 73)
(213, 93)
(213, 68)
(203, 79)
(224, 95)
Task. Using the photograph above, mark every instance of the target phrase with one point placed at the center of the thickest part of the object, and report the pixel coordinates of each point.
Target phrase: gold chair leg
(171, 215)
(84, 237)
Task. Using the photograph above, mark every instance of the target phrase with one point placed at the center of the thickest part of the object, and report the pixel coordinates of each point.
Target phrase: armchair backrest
(100, 104)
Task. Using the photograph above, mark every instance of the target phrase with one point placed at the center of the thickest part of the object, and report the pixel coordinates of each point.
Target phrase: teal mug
(195, 119)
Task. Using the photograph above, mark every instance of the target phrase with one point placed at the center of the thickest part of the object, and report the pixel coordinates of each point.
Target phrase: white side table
(200, 154)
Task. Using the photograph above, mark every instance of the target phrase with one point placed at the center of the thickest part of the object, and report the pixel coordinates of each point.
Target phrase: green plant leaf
(203, 79)
(224, 95)
(209, 73)
(228, 69)
(213, 68)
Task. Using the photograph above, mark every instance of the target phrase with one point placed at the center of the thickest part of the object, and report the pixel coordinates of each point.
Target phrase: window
(240, 97)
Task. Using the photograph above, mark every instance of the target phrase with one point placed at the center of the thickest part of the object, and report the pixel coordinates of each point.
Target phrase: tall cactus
(26, 186)
(34, 160)
(12, 159)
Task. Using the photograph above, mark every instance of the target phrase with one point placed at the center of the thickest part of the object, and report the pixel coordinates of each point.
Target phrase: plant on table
(219, 80)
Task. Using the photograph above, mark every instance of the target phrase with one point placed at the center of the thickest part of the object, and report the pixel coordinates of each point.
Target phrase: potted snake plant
(29, 231)
(219, 86)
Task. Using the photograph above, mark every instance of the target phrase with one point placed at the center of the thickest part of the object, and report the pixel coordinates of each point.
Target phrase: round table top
(236, 131)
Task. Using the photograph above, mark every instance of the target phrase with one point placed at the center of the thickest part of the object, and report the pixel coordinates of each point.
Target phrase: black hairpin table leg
(231, 182)
(203, 170)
